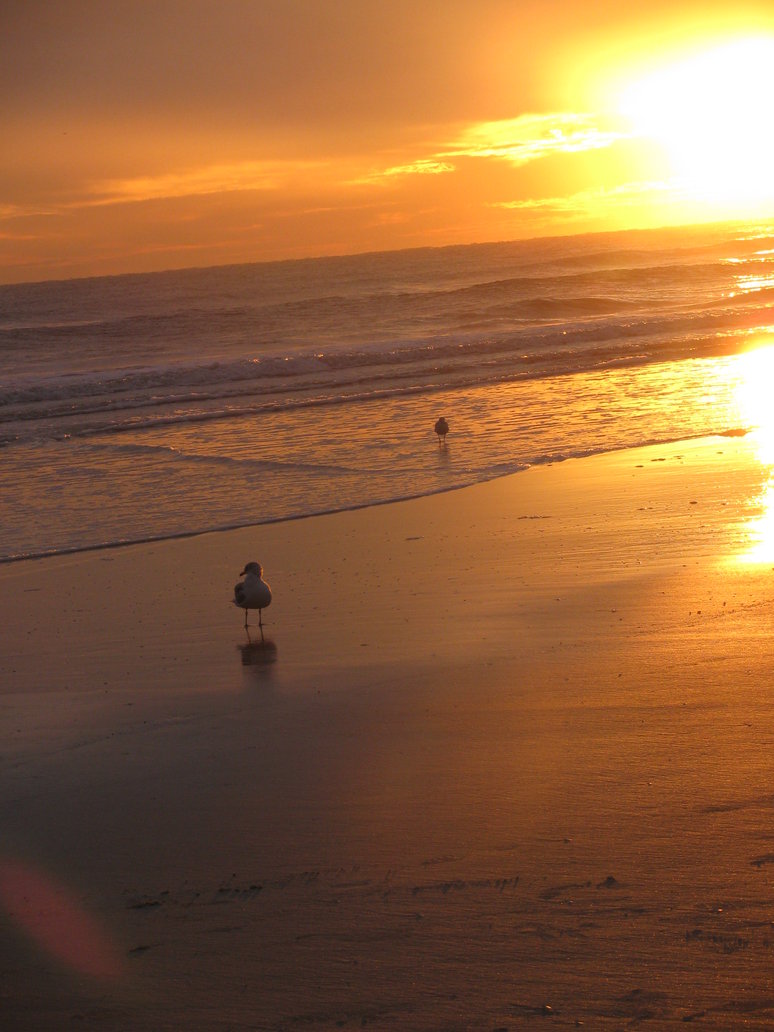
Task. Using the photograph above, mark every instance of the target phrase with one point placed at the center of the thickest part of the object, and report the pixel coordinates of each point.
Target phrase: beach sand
(504, 761)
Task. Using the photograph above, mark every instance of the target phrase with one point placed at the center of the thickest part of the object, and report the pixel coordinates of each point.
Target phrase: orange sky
(151, 135)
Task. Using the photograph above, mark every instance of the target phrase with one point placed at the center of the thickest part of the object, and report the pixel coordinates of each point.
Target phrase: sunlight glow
(711, 113)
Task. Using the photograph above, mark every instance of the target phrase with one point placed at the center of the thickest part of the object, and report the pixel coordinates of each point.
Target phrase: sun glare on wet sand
(753, 395)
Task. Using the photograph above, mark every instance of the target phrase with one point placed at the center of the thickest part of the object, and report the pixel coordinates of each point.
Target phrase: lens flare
(50, 915)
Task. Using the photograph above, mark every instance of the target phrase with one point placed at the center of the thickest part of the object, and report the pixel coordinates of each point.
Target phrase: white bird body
(253, 592)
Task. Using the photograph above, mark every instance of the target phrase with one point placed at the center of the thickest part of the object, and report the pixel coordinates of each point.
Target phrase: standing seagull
(253, 592)
(442, 429)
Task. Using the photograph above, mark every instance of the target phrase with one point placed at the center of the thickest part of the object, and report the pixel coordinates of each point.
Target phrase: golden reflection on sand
(753, 396)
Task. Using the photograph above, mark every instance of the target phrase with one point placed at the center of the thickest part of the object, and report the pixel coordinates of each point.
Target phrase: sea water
(148, 406)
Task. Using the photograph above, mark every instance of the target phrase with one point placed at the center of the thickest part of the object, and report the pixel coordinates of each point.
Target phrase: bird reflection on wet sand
(258, 653)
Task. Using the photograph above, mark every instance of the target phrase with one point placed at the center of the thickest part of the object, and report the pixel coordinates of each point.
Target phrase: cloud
(211, 179)
(421, 167)
(20, 236)
(531, 137)
(18, 211)
(592, 201)
(516, 140)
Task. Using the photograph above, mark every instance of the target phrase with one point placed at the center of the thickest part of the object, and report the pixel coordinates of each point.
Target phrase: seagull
(253, 592)
(442, 429)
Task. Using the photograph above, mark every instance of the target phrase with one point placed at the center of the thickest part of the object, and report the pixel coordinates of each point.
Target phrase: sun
(711, 114)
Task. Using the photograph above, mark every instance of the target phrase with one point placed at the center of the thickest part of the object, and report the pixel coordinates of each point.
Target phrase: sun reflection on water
(752, 284)
(754, 398)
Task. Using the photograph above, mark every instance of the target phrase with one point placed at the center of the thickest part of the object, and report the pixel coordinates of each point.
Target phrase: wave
(165, 325)
(117, 417)
(333, 311)
(566, 347)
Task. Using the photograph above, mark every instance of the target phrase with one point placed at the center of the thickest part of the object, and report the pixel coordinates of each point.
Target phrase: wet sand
(503, 760)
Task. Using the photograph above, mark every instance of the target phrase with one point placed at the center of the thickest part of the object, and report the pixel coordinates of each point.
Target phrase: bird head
(252, 568)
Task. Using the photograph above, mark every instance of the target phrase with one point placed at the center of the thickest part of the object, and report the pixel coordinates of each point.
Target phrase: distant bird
(253, 592)
(442, 429)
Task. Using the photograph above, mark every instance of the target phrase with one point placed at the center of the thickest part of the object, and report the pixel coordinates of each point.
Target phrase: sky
(140, 136)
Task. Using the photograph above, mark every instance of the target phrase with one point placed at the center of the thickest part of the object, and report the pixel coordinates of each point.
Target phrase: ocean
(143, 407)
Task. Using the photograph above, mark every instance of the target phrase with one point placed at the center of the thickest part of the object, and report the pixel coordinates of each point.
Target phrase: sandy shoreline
(505, 759)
